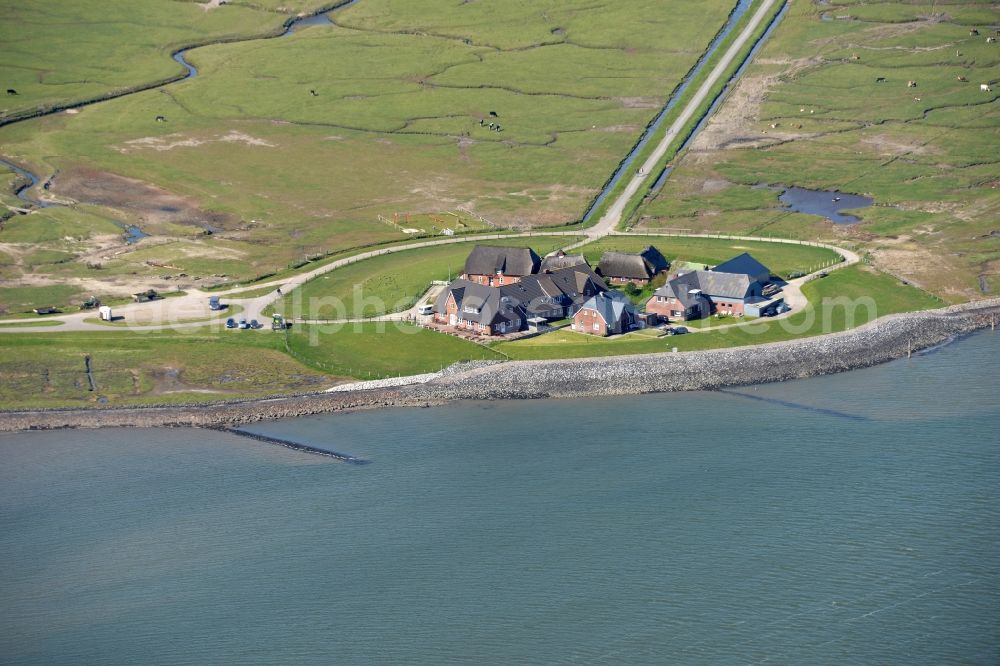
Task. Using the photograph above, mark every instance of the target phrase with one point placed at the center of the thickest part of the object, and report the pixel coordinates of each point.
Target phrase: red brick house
(498, 310)
(734, 287)
(474, 307)
(607, 313)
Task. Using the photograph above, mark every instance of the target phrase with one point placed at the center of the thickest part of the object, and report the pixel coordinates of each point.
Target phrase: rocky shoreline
(883, 340)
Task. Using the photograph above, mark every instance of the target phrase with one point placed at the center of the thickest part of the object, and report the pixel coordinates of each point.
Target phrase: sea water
(849, 519)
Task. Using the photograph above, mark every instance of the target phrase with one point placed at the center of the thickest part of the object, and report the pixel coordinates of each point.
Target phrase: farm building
(475, 307)
(607, 313)
(505, 309)
(745, 264)
(734, 287)
(639, 268)
(680, 299)
(560, 259)
(497, 266)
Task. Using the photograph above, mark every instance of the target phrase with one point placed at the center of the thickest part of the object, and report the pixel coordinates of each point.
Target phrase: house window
(597, 326)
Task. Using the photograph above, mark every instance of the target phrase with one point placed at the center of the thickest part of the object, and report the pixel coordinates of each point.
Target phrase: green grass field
(810, 112)
(60, 53)
(282, 174)
(390, 283)
(781, 258)
(867, 295)
(47, 370)
(379, 350)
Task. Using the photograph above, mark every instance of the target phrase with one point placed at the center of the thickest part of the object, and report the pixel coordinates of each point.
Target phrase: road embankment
(885, 339)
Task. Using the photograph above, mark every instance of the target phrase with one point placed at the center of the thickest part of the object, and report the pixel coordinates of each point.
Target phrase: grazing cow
(481, 122)
(314, 93)
(492, 125)
(11, 91)
(880, 79)
(973, 33)
(962, 78)
(855, 56)
(911, 84)
(161, 119)
(985, 87)
(493, 114)
(990, 40)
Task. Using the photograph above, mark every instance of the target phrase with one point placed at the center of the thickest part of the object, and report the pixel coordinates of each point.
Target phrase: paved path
(613, 217)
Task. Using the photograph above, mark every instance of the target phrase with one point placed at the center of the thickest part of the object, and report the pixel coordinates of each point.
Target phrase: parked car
(230, 323)
(676, 330)
(426, 309)
(244, 324)
(254, 324)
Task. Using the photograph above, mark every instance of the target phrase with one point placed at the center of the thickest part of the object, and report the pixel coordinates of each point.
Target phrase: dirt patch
(925, 268)
(171, 141)
(887, 146)
(619, 128)
(151, 204)
(639, 102)
(168, 380)
(714, 185)
(734, 125)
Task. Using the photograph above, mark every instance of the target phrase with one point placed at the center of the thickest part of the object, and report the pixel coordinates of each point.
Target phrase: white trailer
(105, 313)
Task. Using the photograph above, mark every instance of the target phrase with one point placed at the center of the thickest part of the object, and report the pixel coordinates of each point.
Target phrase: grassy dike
(45, 370)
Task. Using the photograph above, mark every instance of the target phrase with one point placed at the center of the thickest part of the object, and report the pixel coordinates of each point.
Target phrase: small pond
(825, 203)
(132, 233)
(829, 204)
(318, 19)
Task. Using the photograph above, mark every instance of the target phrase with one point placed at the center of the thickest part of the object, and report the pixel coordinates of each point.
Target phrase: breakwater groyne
(885, 339)
(296, 446)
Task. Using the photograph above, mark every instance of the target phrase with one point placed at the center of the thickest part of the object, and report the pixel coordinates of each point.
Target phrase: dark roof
(564, 286)
(681, 287)
(542, 293)
(643, 265)
(490, 260)
(610, 305)
(744, 264)
(724, 285)
(481, 304)
(557, 261)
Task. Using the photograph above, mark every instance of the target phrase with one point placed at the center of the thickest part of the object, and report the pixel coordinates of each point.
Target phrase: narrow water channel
(721, 97)
(742, 6)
